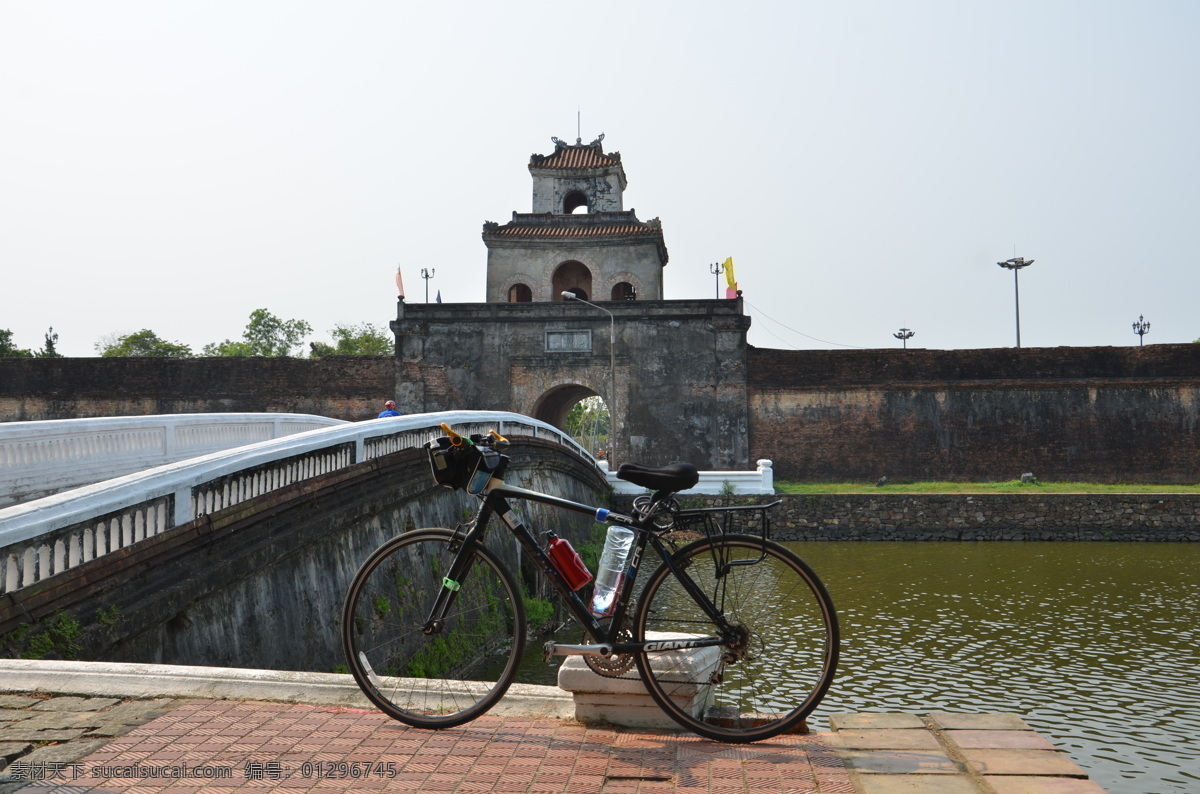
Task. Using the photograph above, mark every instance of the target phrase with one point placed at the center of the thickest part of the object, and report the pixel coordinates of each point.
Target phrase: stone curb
(115, 679)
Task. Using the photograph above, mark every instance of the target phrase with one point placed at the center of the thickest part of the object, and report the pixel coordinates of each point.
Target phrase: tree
(588, 423)
(10, 350)
(50, 348)
(355, 340)
(142, 343)
(265, 335)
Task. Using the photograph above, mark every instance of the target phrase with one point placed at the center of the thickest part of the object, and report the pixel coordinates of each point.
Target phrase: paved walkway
(76, 741)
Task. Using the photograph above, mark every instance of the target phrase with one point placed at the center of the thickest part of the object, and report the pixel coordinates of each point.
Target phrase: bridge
(239, 556)
(226, 558)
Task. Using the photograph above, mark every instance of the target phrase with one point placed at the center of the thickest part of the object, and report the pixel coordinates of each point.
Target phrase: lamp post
(1141, 328)
(904, 335)
(612, 375)
(427, 274)
(1015, 264)
(717, 269)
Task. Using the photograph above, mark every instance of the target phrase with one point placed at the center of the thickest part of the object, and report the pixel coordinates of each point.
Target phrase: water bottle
(612, 565)
(568, 563)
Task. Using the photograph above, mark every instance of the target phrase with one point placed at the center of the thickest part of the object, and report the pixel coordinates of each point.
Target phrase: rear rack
(716, 522)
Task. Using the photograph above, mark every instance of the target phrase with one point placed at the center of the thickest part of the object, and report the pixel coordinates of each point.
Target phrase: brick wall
(1100, 414)
(347, 387)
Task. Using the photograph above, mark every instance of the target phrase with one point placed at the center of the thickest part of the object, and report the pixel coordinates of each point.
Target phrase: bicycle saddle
(676, 477)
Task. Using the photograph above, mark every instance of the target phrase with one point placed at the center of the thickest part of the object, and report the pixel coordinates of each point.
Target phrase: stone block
(978, 722)
(1021, 762)
(885, 739)
(841, 722)
(625, 701)
(898, 762)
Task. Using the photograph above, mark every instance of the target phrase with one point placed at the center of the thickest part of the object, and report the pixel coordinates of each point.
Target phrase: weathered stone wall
(1100, 414)
(680, 370)
(345, 387)
(1032, 516)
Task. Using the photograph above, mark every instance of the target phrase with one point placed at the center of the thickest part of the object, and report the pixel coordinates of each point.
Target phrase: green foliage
(355, 340)
(50, 348)
(589, 550)
(382, 606)
(341, 669)
(539, 613)
(52, 638)
(109, 615)
(265, 335)
(143, 343)
(588, 423)
(10, 350)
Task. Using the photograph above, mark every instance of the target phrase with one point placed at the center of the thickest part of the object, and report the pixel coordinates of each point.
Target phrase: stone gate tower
(673, 372)
(578, 238)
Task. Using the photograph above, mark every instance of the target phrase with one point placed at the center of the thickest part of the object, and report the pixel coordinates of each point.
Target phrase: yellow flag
(730, 281)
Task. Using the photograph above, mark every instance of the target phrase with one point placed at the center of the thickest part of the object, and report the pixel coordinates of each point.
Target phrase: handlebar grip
(498, 437)
(455, 439)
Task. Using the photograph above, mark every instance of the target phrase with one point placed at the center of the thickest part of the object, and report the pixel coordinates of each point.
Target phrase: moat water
(1095, 645)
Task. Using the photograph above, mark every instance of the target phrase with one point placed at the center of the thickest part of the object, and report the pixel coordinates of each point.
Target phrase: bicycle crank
(552, 649)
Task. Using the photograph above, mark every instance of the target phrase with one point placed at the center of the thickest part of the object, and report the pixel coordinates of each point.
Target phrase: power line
(793, 330)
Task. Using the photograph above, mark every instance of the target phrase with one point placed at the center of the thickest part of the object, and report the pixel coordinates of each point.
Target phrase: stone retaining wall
(1128, 517)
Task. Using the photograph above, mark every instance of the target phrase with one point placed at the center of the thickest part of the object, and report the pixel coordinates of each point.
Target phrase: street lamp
(1015, 264)
(904, 335)
(612, 375)
(717, 269)
(427, 274)
(1141, 328)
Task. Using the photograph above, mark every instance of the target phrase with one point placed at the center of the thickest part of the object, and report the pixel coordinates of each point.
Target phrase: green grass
(1008, 486)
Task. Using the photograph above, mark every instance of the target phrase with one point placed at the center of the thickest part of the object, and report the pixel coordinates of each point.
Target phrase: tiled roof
(568, 158)
(595, 226)
(573, 232)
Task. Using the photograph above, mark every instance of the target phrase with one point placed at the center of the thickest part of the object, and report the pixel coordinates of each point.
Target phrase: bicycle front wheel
(778, 639)
(454, 671)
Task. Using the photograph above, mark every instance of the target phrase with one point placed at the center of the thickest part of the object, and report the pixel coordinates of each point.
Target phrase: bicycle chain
(616, 665)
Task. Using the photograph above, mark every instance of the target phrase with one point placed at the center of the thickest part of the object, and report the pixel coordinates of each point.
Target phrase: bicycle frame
(495, 502)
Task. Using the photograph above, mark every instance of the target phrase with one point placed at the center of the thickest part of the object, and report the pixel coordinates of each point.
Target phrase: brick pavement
(243, 745)
(78, 744)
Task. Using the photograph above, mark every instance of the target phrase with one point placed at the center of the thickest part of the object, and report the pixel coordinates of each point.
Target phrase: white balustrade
(42, 458)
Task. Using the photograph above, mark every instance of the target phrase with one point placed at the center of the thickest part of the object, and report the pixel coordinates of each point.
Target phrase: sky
(175, 166)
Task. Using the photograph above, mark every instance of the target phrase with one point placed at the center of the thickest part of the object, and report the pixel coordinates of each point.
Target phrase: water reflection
(1094, 644)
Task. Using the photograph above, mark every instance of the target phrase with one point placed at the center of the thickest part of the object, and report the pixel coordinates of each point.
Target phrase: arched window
(623, 291)
(520, 293)
(573, 277)
(575, 202)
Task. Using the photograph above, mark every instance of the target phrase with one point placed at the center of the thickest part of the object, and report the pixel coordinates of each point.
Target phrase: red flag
(399, 283)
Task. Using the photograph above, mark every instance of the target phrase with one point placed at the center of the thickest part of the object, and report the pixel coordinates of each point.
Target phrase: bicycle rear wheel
(438, 679)
(778, 649)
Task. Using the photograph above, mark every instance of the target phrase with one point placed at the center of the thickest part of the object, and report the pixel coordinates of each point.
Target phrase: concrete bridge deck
(84, 726)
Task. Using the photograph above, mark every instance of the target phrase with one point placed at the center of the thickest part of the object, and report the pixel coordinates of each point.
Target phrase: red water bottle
(568, 562)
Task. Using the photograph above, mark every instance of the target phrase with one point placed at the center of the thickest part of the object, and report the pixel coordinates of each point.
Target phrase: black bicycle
(733, 635)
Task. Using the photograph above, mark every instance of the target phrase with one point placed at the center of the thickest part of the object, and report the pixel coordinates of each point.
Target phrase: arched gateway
(677, 370)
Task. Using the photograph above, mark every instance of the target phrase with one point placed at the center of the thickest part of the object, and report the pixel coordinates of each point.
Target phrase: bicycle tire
(432, 680)
(770, 671)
